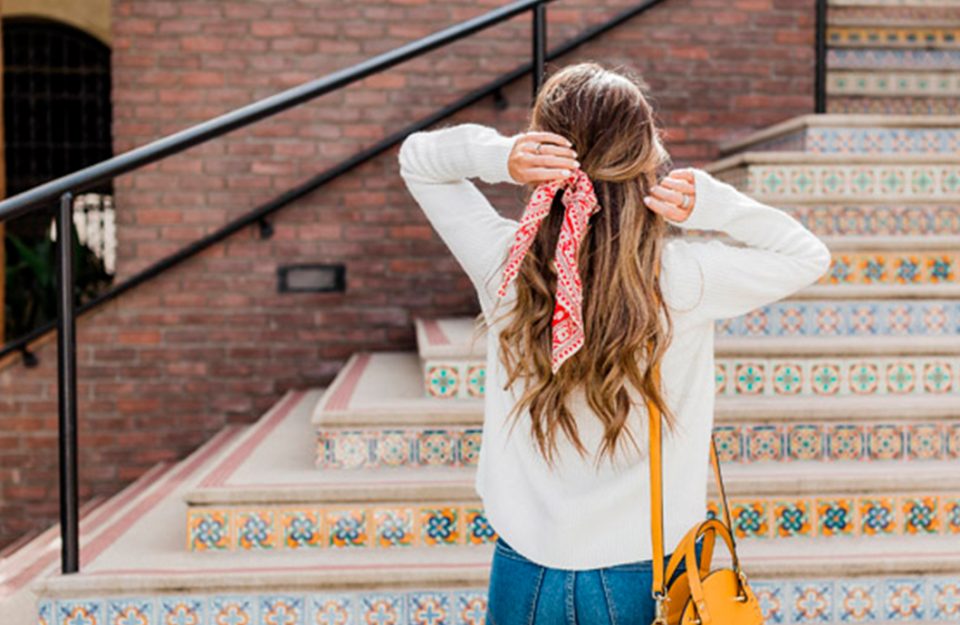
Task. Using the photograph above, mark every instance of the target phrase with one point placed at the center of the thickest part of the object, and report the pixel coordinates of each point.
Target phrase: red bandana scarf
(580, 201)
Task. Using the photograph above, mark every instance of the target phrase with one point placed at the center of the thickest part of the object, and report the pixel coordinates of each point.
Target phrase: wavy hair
(607, 116)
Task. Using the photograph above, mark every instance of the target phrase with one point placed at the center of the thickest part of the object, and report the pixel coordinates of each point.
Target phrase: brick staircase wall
(212, 342)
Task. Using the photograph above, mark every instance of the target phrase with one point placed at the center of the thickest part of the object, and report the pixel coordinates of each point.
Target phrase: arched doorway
(57, 119)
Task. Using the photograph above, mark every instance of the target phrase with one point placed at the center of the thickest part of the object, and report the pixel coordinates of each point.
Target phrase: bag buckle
(742, 591)
(660, 617)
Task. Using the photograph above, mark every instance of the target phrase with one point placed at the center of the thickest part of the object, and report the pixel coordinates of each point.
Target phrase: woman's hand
(555, 160)
(675, 195)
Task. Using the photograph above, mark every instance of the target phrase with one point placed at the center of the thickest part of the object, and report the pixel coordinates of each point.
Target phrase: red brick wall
(210, 342)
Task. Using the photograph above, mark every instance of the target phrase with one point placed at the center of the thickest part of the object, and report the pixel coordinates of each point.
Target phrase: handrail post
(539, 46)
(820, 45)
(67, 389)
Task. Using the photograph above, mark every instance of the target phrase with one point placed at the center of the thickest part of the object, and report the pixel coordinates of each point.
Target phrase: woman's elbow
(819, 263)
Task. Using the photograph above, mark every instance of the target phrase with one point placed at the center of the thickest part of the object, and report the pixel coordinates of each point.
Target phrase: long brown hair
(607, 116)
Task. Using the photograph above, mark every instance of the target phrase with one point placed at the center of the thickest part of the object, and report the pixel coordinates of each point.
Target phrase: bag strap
(656, 489)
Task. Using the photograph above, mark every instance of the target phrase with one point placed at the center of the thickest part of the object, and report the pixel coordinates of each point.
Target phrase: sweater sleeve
(436, 166)
(780, 257)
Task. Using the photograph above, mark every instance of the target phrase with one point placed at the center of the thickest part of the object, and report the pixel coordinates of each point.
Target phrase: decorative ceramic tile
(812, 602)
(951, 515)
(256, 529)
(892, 83)
(916, 37)
(921, 515)
(792, 518)
(787, 601)
(301, 528)
(441, 526)
(443, 380)
(347, 528)
(835, 517)
(130, 610)
(877, 516)
(211, 530)
(904, 600)
(945, 602)
(394, 527)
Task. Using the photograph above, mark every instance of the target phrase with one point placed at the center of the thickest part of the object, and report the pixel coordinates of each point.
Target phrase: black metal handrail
(65, 187)
(820, 52)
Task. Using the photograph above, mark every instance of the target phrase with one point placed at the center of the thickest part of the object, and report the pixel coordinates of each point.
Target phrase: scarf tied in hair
(580, 203)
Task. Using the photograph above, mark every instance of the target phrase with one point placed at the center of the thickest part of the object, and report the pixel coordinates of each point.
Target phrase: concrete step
(453, 364)
(100, 528)
(397, 376)
(859, 134)
(797, 177)
(271, 498)
(262, 494)
(905, 34)
(370, 418)
(806, 327)
(140, 572)
(800, 581)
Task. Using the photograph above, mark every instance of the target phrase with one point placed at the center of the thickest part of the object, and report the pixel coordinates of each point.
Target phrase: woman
(595, 294)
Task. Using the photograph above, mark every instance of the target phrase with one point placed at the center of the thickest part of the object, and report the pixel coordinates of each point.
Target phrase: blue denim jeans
(524, 593)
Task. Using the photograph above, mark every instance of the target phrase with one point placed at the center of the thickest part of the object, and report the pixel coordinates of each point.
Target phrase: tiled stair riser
(891, 15)
(768, 377)
(878, 219)
(795, 440)
(926, 267)
(443, 524)
(838, 181)
(906, 598)
(887, 59)
(893, 105)
(860, 140)
(858, 318)
(337, 526)
(877, 83)
(893, 37)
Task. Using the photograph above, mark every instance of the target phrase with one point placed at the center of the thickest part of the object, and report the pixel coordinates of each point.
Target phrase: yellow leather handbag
(699, 596)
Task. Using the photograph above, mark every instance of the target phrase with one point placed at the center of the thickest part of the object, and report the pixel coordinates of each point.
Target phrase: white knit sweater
(576, 516)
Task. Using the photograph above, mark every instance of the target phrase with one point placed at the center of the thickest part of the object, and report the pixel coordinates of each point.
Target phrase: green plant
(30, 299)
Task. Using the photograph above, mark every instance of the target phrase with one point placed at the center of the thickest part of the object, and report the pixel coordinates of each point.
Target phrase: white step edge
(743, 159)
(811, 120)
(785, 479)
(457, 348)
(435, 568)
